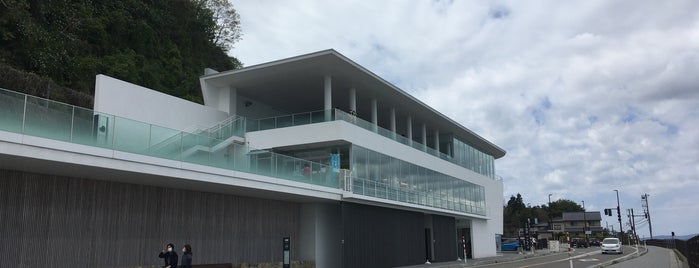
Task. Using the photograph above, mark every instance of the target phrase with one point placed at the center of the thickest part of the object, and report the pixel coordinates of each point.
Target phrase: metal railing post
(24, 113)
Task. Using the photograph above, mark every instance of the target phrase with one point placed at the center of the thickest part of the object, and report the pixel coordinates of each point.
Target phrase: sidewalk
(501, 257)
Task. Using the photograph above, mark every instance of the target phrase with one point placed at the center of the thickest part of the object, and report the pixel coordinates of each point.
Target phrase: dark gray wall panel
(52, 221)
(382, 237)
(445, 247)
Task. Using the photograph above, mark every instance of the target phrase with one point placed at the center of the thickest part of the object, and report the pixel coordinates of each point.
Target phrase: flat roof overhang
(295, 85)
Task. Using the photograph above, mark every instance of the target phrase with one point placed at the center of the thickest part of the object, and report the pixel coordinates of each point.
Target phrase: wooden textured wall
(53, 221)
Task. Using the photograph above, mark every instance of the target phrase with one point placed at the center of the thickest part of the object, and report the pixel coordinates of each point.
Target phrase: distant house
(574, 223)
(571, 222)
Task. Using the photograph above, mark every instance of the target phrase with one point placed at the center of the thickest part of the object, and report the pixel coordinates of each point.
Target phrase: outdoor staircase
(218, 137)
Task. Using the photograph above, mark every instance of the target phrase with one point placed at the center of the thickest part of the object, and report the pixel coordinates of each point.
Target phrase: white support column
(353, 99)
(393, 122)
(374, 115)
(327, 85)
(424, 137)
(233, 102)
(409, 129)
(436, 141)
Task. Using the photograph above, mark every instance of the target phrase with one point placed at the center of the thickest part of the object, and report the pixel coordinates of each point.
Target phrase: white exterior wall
(123, 99)
(221, 97)
(483, 241)
(483, 231)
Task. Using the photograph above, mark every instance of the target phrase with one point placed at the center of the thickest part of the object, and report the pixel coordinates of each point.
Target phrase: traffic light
(618, 213)
(608, 212)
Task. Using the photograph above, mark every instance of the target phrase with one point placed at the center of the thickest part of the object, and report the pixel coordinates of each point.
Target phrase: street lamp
(618, 211)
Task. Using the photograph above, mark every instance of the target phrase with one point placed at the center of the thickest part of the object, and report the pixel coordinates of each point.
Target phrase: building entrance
(466, 234)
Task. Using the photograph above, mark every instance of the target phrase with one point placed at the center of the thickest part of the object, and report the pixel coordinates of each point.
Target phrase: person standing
(169, 256)
(306, 171)
(186, 256)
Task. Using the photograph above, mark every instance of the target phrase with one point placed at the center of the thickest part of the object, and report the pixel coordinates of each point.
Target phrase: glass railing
(24, 114)
(288, 120)
(340, 115)
(336, 114)
(28, 115)
(382, 190)
(233, 126)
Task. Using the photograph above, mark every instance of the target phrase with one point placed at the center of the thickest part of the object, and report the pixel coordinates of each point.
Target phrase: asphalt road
(584, 257)
(655, 257)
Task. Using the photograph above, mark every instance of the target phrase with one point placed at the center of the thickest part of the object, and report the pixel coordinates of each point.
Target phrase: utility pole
(628, 214)
(644, 198)
(633, 224)
(618, 212)
(550, 226)
(587, 240)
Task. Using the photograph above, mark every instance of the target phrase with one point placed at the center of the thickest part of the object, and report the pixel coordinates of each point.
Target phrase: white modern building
(355, 171)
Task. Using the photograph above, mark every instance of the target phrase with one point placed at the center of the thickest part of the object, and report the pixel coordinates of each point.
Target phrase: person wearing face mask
(187, 256)
(169, 256)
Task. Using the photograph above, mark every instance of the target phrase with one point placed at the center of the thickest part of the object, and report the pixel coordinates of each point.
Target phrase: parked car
(579, 243)
(594, 242)
(509, 245)
(611, 245)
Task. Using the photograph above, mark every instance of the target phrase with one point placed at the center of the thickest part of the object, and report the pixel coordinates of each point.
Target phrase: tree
(564, 205)
(516, 212)
(227, 27)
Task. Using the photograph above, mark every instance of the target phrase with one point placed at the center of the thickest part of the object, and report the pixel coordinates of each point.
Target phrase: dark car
(594, 242)
(579, 243)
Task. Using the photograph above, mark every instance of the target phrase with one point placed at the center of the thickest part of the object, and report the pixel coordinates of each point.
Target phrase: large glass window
(378, 175)
(473, 159)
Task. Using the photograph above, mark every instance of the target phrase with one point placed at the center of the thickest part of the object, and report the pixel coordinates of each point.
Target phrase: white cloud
(586, 97)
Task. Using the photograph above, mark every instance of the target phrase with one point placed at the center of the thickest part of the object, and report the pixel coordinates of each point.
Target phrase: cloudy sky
(586, 97)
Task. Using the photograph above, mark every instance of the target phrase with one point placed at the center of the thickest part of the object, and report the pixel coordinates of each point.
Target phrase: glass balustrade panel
(11, 111)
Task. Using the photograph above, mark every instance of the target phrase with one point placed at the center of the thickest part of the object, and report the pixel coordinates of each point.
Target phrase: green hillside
(55, 48)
